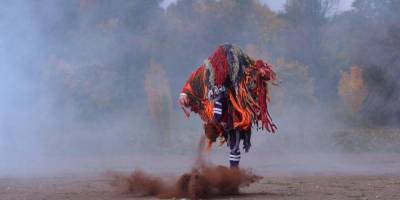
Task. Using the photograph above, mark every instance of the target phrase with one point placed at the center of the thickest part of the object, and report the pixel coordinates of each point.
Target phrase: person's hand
(183, 100)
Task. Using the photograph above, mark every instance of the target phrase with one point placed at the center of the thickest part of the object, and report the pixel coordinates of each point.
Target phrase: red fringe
(256, 113)
(266, 73)
(220, 65)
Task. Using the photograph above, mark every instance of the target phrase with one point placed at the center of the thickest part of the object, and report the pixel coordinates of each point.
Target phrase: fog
(91, 85)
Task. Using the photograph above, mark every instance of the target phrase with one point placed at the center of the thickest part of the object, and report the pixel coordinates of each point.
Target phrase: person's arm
(187, 92)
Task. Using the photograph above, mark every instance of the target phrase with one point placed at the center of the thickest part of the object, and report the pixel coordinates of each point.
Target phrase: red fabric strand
(219, 65)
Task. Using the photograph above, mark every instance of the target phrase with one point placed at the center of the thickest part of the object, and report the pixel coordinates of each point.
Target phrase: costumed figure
(230, 93)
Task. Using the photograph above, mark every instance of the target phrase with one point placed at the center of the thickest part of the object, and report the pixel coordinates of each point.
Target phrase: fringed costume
(230, 93)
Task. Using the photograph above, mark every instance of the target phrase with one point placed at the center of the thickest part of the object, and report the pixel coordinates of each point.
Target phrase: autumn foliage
(352, 89)
(102, 49)
(159, 99)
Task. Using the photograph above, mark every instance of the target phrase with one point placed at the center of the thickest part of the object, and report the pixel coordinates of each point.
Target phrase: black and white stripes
(234, 141)
(234, 158)
(217, 110)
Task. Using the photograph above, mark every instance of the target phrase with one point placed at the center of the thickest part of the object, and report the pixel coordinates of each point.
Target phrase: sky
(277, 5)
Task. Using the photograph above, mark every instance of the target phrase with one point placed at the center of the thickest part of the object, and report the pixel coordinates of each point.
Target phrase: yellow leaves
(352, 89)
(85, 4)
(109, 24)
(62, 70)
(296, 87)
(255, 51)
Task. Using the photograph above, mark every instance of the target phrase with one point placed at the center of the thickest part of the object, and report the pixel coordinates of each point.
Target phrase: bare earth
(381, 180)
(300, 187)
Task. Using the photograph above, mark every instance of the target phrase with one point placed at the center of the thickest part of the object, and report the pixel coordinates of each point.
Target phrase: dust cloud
(205, 180)
(90, 85)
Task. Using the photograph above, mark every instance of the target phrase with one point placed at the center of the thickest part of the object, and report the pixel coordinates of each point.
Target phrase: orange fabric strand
(247, 97)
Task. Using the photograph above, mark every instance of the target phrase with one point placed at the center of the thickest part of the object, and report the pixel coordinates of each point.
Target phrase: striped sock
(217, 111)
(234, 159)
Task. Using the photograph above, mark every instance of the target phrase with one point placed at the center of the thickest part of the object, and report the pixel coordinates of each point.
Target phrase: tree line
(100, 51)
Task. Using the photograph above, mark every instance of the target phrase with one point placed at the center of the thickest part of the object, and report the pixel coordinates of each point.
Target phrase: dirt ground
(372, 176)
(283, 187)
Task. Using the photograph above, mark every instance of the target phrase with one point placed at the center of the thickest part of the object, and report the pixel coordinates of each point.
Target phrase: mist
(91, 85)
